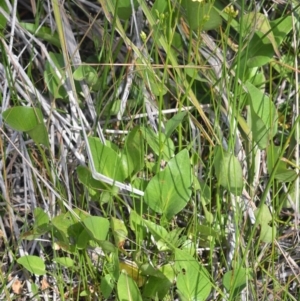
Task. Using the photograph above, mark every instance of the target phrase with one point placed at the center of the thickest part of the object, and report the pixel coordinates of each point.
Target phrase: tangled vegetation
(149, 150)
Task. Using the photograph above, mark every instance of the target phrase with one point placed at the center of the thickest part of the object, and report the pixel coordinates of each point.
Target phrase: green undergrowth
(188, 202)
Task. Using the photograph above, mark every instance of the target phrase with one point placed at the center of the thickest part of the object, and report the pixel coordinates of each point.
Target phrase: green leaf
(87, 73)
(169, 191)
(40, 217)
(192, 278)
(209, 217)
(119, 231)
(173, 123)
(207, 231)
(54, 84)
(97, 189)
(106, 160)
(59, 234)
(258, 61)
(111, 266)
(281, 28)
(193, 72)
(97, 227)
(131, 269)
(282, 68)
(159, 6)
(67, 225)
(137, 225)
(123, 8)
(36, 232)
(177, 43)
(23, 119)
(82, 239)
(282, 174)
(263, 214)
(264, 116)
(33, 264)
(201, 16)
(39, 134)
(273, 152)
(3, 20)
(258, 79)
(34, 289)
(85, 177)
(62, 223)
(78, 234)
(112, 108)
(147, 269)
(228, 171)
(158, 143)
(44, 33)
(127, 289)
(41, 225)
(189, 246)
(235, 280)
(173, 239)
(107, 196)
(287, 175)
(159, 285)
(259, 130)
(257, 22)
(134, 155)
(160, 235)
(107, 246)
(107, 285)
(84, 293)
(157, 86)
(158, 231)
(29, 120)
(267, 233)
(259, 52)
(205, 192)
(64, 261)
(77, 215)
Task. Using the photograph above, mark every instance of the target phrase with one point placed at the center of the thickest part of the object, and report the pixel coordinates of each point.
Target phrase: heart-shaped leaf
(119, 231)
(257, 22)
(160, 144)
(282, 174)
(173, 123)
(106, 160)
(264, 117)
(201, 15)
(65, 261)
(158, 284)
(87, 73)
(33, 264)
(192, 278)
(107, 285)
(42, 32)
(169, 191)
(235, 281)
(123, 8)
(97, 227)
(29, 120)
(52, 80)
(228, 171)
(267, 233)
(133, 154)
(127, 288)
(281, 27)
